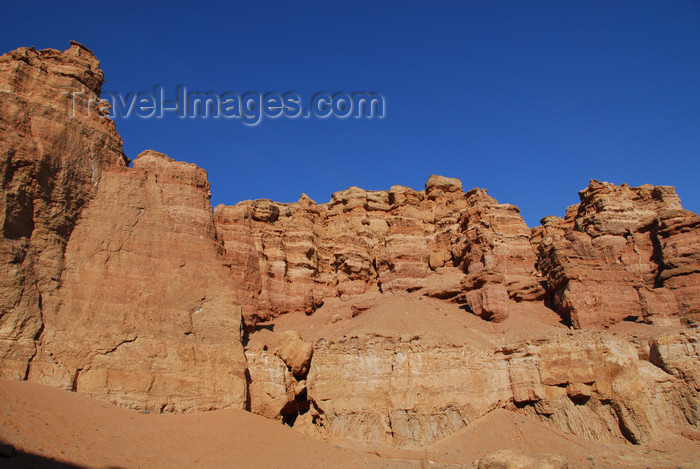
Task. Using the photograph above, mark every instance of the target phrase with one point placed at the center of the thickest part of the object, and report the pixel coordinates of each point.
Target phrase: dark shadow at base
(24, 460)
(12, 458)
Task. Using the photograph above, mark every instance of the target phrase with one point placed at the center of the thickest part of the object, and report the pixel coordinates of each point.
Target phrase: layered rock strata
(289, 257)
(145, 314)
(622, 253)
(412, 392)
(120, 283)
(50, 166)
(112, 282)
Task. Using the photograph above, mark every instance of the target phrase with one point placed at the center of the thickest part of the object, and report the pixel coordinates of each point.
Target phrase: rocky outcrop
(145, 315)
(411, 392)
(679, 243)
(623, 253)
(119, 283)
(270, 381)
(494, 251)
(278, 380)
(112, 282)
(295, 352)
(289, 257)
(675, 377)
(50, 166)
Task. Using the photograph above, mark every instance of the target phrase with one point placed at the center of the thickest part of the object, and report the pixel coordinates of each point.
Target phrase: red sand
(48, 426)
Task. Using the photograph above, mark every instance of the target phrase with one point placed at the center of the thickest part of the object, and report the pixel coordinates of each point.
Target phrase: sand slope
(502, 429)
(49, 427)
(72, 428)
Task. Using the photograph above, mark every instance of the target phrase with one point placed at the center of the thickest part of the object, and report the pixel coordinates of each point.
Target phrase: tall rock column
(50, 165)
(146, 315)
(495, 253)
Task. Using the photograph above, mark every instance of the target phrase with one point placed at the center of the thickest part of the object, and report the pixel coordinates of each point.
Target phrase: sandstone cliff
(622, 253)
(112, 281)
(392, 317)
(50, 166)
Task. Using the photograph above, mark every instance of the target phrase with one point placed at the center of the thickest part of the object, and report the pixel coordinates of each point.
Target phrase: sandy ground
(48, 427)
(411, 314)
(52, 425)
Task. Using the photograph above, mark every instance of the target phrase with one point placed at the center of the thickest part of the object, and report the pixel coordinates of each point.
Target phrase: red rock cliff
(396, 317)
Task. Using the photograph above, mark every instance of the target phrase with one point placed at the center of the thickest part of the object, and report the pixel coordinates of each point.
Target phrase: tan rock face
(269, 382)
(289, 257)
(622, 253)
(295, 352)
(277, 387)
(50, 165)
(145, 315)
(411, 392)
(495, 249)
(119, 283)
(676, 377)
(112, 282)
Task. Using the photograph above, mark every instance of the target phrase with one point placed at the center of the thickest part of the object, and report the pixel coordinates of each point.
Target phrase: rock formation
(392, 318)
(112, 281)
(290, 257)
(622, 253)
(50, 166)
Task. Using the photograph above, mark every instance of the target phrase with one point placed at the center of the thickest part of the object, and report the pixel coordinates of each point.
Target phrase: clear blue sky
(528, 99)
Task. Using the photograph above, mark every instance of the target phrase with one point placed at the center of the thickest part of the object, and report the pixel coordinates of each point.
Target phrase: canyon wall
(623, 253)
(50, 166)
(112, 278)
(393, 317)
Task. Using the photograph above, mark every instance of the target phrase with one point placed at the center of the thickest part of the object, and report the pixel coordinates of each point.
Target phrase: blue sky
(528, 99)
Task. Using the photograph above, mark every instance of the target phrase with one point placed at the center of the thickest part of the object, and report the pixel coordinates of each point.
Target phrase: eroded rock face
(414, 392)
(295, 352)
(112, 282)
(119, 283)
(145, 315)
(50, 166)
(495, 242)
(623, 253)
(675, 378)
(270, 381)
(289, 257)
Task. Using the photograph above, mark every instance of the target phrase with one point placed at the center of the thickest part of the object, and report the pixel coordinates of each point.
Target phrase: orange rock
(145, 315)
(623, 253)
(119, 283)
(50, 165)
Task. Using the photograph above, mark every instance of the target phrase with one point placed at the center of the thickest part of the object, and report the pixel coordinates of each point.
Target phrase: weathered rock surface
(295, 352)
(623, 253)
(112, 283)
(50, 165)
(119, 283)
(413, 392)
(675, 379)
(145, 315)
(289, 257)
(269, 381)
(494, 251)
